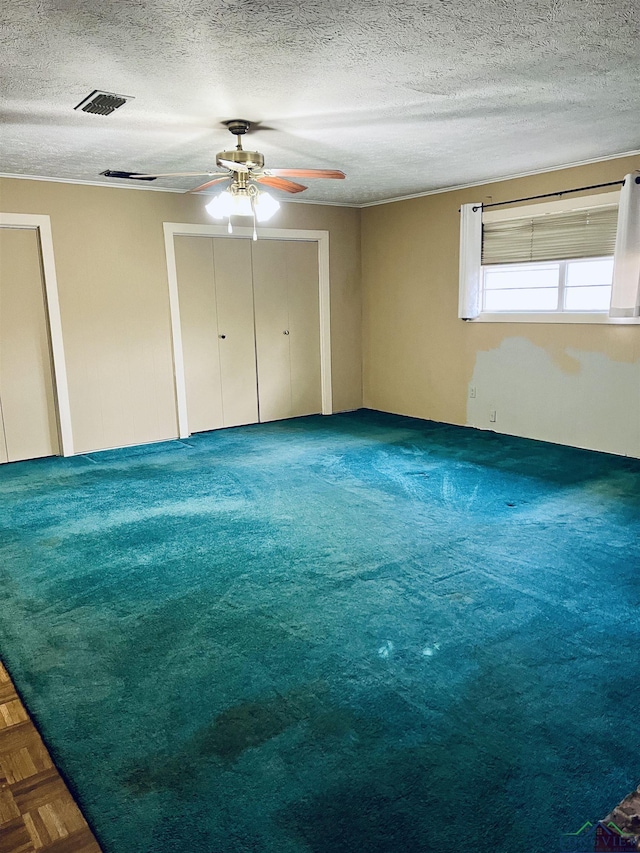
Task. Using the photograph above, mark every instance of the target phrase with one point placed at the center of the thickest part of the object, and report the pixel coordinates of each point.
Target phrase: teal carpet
(356, 634)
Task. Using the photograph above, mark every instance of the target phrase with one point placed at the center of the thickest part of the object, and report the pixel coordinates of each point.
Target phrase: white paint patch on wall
(595, 406)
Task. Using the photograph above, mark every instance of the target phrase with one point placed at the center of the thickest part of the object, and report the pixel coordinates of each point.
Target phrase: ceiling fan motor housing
(238, 126)
(250, 159)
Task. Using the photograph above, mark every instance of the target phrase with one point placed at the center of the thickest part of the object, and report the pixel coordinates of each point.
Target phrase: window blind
(587, 233)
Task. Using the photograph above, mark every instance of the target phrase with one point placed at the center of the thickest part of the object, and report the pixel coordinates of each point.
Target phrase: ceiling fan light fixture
(227, 204)
(242, 205)
(265, 206)
(220, 206)
(241, 201)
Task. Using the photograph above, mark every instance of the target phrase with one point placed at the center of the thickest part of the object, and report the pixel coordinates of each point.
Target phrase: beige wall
(572, 384)
(112, 281)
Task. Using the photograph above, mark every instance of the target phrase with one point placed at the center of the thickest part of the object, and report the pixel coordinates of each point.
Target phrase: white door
(29, 422)
(216, 318)
(236, 336)
(273, 351)
(304, 326)
(199, 325)
(287, 318)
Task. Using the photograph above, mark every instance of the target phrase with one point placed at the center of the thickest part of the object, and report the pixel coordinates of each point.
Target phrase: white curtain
(470, 260)
(625, 293)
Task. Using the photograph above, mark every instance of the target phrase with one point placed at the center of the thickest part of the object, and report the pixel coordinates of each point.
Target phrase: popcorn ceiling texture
(403, 97)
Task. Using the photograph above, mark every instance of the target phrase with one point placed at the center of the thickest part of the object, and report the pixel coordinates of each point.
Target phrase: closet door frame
(41, 224)
(183, 229)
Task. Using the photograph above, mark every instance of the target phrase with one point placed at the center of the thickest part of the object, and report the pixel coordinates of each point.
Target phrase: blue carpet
(355, 634)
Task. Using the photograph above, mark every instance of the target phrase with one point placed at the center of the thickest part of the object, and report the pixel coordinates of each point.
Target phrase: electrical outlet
(472, 392)
(492, 416)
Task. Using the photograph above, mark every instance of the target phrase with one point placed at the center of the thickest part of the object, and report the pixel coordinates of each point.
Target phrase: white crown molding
(86, 183)
(147, 188)
(501, 178)
(449, 189)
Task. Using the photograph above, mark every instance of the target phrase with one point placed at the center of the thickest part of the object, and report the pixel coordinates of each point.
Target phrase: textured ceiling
(404, 98)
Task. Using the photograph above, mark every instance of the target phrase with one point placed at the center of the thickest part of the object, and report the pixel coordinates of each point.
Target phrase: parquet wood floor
(37, 812)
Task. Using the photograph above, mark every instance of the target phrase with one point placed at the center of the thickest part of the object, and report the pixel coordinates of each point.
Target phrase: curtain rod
(551, 195)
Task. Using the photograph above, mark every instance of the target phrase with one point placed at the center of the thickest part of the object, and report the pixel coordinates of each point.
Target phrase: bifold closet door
(199, 325)
(27, 400)
(287, 318)
(216, 317)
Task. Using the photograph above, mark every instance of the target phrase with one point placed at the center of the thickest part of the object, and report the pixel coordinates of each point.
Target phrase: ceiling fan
(250, 164)
(243, 172)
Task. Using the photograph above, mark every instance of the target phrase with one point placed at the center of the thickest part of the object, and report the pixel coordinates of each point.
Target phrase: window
(576, 285)
(568, 261)
(548, 259)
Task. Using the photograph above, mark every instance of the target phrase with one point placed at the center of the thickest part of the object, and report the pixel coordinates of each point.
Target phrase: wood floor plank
(8, 807)
(37, 812)
(11, 713)
(7, 692)
(38, 790)
(15, 838)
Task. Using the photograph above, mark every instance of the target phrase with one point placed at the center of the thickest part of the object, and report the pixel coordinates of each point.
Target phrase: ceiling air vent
(102, 103)
(134, 176)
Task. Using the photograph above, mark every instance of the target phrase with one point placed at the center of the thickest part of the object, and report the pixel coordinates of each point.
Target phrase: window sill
(525, 317)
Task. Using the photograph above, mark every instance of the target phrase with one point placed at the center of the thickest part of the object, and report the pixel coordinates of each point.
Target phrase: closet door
(216, 317)
(285, 282)
(236, 336)
(199, 325)
(304, 326)
(273, 352)
(26, 376)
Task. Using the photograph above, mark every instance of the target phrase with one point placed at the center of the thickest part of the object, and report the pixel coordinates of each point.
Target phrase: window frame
(557, 316)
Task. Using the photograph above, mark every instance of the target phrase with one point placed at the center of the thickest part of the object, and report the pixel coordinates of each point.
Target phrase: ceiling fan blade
(210, 184)
(307, 173)
(235, 167)
(281, 184)
(176, 175)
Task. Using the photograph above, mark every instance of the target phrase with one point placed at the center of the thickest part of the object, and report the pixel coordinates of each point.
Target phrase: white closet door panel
(26, 377)
(236, 335)
(199, 326)
(304, 325)
(270, 290)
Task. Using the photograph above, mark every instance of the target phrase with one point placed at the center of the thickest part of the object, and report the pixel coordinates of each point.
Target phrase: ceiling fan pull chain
(253, 211)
